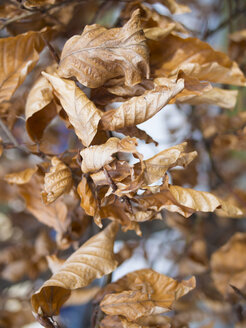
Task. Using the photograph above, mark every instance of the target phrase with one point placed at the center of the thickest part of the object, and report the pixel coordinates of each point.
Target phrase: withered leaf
(88, 201)
(99, 54)
(139, 109)
(57, 181)
(82, 113)
(195, 58)
(53, 215)
(18, 56)
(156, 166)
(142, 293)
(40, 108)
(202, 200)
(92, 260)
(21, 177)
(173, 6)
(95, 157)
(228, 265)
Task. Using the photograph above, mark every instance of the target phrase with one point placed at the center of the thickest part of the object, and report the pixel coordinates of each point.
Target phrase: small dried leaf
(21, 177)
(57, 181)
(195, 58)
(142, 293)
(92, 260)
(99, 54)
(88, 201)
(157, 165)
(140, 109)
(82, 113)
(53, 215)
(18, 56)
(40, 108)
(228, 265)
(95, 157)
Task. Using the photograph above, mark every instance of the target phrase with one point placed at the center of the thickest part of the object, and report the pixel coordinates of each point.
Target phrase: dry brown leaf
(92, 260)
(144, 322)
(195, 58)
(228, 265)
(99, 54)
(21, 177)
(82, 113)
(57, 181)
(142, 293)
(95, 157)
(216, 96)
(18, 56)
(237, 46)
(133, 131)
(196, 92)
(202, 200)
(140, 109)
(173, 6)
(88, 201)
(53, 215)
(156, 166)
(40, 108)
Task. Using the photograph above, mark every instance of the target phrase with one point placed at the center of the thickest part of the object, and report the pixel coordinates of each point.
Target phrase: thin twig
(225, 22)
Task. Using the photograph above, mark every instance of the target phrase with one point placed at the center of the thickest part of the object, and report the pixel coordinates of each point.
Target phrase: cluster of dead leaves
(145, 65)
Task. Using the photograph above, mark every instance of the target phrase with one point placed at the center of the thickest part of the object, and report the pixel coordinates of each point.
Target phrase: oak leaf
(18, 56)
(142, 293)
(82, 113)
(99, 54)
(92, 260)
(57, 181)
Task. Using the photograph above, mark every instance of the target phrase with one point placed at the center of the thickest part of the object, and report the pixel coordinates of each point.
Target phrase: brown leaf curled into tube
(57, 181)
(40, 108)
(142, 293)
(99, 54)
(92, 260)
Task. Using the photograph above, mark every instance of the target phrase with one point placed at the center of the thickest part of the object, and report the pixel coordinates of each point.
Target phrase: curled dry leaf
(21, 177)
(92, 260)
(99, 54)
(142, 293)
(139, 109)
(57, 181)
(53, 215)
(82, 113)
(184, 201)
(228, 265)
(156, 166)
(173, 6)
(40, 108)
(202, 201)
(95, 157)
(88, 200)
(18, 56)
(196, 92)
(196, 58)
